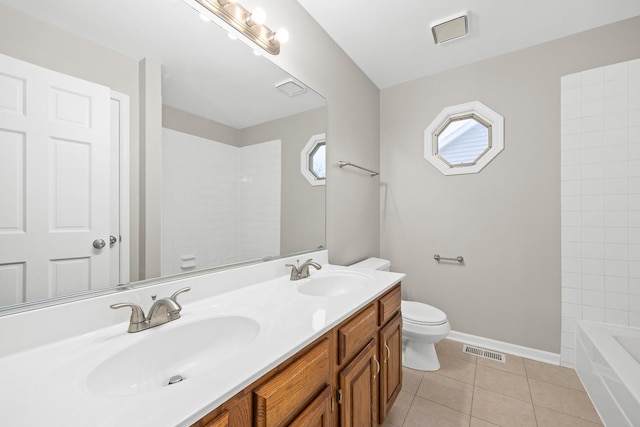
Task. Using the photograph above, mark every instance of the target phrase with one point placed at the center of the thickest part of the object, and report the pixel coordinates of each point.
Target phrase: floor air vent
(487, 354)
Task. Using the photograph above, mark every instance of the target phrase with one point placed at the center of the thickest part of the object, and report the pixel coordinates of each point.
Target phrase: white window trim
(304, 159)
(495, 120)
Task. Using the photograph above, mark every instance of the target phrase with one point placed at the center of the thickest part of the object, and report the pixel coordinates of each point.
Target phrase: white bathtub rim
(618, 359)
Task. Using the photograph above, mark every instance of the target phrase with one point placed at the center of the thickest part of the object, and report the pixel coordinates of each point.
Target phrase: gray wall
(353, 133)
(505, 220)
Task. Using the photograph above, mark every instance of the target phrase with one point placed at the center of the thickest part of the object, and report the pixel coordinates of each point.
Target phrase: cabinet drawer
(389, 304)
(221, 420)
(284, 395)
(353, 335)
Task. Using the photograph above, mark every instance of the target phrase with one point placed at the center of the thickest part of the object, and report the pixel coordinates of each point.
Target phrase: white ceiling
(204, 72)
(391, 40)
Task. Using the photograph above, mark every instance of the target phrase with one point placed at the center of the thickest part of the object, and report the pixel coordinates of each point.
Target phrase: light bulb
(257, 16)
(282, 35)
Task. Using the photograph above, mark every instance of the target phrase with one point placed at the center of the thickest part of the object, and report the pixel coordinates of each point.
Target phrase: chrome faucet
(302, 271)
(162, 311)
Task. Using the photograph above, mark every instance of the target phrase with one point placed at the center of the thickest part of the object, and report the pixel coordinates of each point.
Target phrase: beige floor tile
(559, 375)
(456, 368)
(477, 422)
(446, 391)
(513, 364)
(399, 409)
(426, 413)
(501, 410)
(454, 349)
(503, 382)
(411, 380)
(549, 418)
(562, 399)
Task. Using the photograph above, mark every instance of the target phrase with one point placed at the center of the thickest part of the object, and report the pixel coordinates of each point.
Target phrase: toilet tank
(374, 264)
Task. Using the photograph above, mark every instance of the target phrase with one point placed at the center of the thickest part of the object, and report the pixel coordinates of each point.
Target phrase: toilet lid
(422, 314)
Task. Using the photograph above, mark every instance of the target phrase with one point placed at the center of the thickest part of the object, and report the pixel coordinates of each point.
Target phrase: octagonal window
(313, 160)
(464, 138)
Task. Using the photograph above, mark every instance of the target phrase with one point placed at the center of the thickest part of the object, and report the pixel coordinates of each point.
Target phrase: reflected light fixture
(450, 28)
(249, 24)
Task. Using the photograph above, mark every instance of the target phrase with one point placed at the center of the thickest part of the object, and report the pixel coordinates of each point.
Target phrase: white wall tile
(618, 317)
(607, 288)
(593, 298)
(616, 284)
(617, 301)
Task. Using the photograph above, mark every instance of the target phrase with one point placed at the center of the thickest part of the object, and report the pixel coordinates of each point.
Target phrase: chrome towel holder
(342, 164)
(439, 258)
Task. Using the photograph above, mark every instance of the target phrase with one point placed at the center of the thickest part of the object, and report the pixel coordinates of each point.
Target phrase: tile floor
(476, 392)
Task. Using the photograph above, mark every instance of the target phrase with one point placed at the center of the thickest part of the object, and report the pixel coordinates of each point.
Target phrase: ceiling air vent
(450, 28)
(291, 87)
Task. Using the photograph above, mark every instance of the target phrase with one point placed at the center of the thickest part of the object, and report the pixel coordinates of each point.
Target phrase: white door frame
(121, 168)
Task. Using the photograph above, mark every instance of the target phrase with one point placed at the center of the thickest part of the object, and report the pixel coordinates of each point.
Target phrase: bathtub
(608, 363)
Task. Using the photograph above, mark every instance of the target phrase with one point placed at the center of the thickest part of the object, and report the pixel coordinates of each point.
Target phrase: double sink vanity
(249, 346)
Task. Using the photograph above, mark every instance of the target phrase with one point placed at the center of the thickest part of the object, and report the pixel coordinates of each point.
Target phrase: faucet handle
(178, 292)
(137, 321)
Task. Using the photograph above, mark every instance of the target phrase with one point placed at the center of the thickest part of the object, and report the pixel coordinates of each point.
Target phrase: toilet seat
(418, 313)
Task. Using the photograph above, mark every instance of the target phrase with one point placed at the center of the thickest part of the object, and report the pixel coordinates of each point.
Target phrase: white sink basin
(334, 283)
(186, 350)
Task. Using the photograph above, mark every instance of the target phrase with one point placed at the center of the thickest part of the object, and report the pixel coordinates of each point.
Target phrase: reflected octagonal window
(313, 160)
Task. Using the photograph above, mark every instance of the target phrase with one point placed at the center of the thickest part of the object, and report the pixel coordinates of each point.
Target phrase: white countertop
(48, 385)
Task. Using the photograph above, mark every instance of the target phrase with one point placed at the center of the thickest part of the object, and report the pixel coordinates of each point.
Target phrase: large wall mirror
(137, 142)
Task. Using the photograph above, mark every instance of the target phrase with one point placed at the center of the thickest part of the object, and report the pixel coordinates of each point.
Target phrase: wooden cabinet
(317, 413)
(357, 365)
(283, 396)
(383, 351)
(390, 344)
(358, 392)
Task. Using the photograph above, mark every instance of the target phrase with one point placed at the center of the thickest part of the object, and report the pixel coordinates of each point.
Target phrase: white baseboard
(514, 349)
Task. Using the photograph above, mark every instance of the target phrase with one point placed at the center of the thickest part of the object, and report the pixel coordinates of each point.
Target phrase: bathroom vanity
(350, 376)
(253, 348)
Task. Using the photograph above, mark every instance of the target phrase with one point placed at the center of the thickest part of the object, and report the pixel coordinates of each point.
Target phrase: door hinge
(339, 396)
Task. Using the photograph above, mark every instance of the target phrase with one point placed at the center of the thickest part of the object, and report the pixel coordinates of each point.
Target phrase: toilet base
(420, 355)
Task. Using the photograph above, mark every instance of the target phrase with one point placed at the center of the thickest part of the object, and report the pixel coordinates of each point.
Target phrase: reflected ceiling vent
(450, 28)
(291, 87)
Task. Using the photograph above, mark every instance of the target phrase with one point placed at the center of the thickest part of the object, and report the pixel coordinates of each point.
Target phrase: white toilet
(422, 327)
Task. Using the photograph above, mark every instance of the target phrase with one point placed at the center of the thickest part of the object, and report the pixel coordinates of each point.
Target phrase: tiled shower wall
(600, 207)
(221, 204)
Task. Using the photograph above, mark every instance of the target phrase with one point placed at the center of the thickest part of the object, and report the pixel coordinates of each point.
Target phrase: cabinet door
(391, 357)
(359, 389)
(318, 413)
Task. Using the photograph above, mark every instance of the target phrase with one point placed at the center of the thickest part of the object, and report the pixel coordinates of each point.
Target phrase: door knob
(99, 244)
(113, 240)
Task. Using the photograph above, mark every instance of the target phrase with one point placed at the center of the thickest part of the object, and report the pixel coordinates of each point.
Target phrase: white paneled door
(54, 183)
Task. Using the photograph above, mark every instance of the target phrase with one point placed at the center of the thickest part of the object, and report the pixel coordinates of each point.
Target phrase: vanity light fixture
(248, 23)
(450, 28)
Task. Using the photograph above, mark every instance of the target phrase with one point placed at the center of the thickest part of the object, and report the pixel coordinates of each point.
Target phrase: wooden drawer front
(318, 413)
(284, 395)
(389, 304)
(354, 334)
(221, 420)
